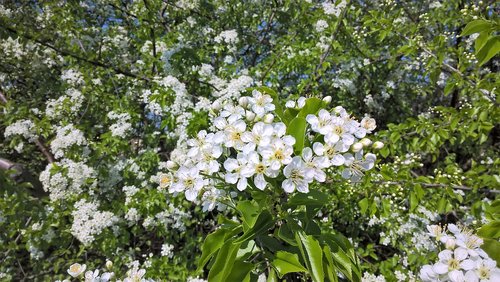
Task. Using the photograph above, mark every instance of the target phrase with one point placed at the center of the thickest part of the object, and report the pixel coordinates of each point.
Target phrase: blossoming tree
(249, 140)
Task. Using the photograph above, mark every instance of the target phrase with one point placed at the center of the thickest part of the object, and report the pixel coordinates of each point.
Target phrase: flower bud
(290, 104)
(327, 99)
(243, 101)
(171, 165)
(450, 244)
(378, 145)
(216, 106)
(268, 118)
(366, 142)
(356, 147)
(301, 102)
(109, 264)
(250, 116)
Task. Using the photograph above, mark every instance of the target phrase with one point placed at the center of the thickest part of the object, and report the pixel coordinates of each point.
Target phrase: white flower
(236, 172)
(76, 269)
(481, 270)
(188, 180)
(369, 124)
(316, 164)
(330, 152)
(470, 243)
(92, 276)
(356, 165)
(298, 176)
(321, 123)
(450, 264)
(261, 104)
(278, 153)
(135, 275)
(257, 168)
(232, 113)
(234, 132)
(321, 25)
(290, 104)
(259, 136)
(427, 274)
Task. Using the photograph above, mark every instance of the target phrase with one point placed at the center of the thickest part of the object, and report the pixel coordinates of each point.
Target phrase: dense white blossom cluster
(69, 180)
(72, 77)
(121, 126)
(461, 260)
(245, 147)
(25, 127)
(88, 221)
(333, 9)
(56, 108)
(66, 137)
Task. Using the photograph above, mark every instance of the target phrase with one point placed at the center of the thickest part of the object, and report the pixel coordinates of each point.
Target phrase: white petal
(242, 184)
(346, 173)
(191, 194)
(288, 186)
(468, 264)
(231, 164)
(440, 268)
(338, 160)
(471, 276)
(303, 187)
(461, 254)
(260, 181)
(231, 178)
(307, 154)
(456, 276)
(318, 149)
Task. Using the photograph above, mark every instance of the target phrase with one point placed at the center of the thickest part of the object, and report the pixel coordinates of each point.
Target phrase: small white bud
(366, 142)
(109, 264)
(327, 99)
(216, 106)
(250, 116)
(243, 101)
(301, 102)
(290, 104)
(171, 165)
(268, 118)
(356, 147)
(450, 244)
(378, 145)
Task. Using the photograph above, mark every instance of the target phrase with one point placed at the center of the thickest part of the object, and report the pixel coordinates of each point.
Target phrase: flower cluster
(88, 221)
(462, 260)
(134, 274)
(66, 137)
(247, 148)
(24, 127)
(121, 125)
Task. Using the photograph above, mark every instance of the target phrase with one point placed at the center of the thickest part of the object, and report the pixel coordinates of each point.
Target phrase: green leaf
(286, 262)
(214, 242)
(297, 129)
(481, 40)
(221, 269)
(490, 230)
(492, 248)
(330, 267)
(240, 271)
(489, 50)
(312, 254)
(249, 211)
(261, 226)
(343, 255)
(363, 204)
(476, 26)
(311, 107)
(313, 198)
